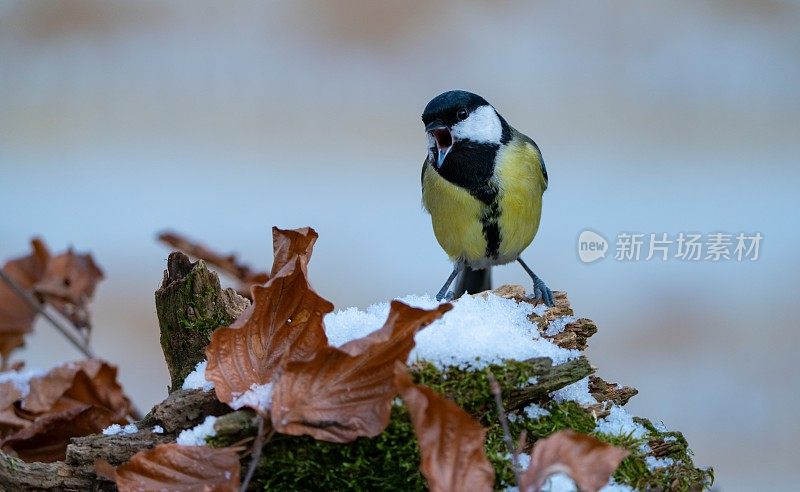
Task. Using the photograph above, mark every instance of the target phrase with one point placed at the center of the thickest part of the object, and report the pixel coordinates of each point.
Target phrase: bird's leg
(443, 292)
(540, 290)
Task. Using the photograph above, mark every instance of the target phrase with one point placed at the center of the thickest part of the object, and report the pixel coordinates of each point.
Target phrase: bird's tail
(473, 281)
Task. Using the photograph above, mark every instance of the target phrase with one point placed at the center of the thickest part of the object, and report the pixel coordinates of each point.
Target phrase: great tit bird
(482, 184)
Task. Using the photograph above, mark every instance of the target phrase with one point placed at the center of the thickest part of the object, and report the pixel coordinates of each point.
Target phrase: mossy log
(190, 305)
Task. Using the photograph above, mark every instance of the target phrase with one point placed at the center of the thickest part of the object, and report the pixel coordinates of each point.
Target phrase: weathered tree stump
(190, 305)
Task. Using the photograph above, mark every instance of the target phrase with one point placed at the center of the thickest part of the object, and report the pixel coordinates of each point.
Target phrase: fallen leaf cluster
(334, 394)
(71, 400)
(339, 394)
(65, 281)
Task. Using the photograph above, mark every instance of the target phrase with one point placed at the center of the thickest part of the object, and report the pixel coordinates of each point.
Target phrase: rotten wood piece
(190, 305)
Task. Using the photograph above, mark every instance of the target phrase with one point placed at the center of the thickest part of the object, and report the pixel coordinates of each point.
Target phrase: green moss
(208, 313)
(387, 462)
(681, 475)
(391, 460)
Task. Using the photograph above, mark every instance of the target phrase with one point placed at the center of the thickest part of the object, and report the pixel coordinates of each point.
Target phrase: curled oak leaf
(89, 382)
(450, 441)
(586, 460)
(68, 285)
(46, 439)
(227, 263)
(283, 323)
(342, 394)
(16, 315)
(290, 243)
(180, 468)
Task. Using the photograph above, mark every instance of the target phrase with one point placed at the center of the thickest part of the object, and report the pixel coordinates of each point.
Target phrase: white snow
(613, 486)
(115, 429)
(488, 330)
(112, 430)
(577, 392)
(660, 427)
(157, 429)
(535, 412)
(653, 463)
(197, 378)
(559, 482)
(557, 325)
(670, 439)
(21, 380)
(258, 397)
(620, 422)
(197, 435)
(524, 460)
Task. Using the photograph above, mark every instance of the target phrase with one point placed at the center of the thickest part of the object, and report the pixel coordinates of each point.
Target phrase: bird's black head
(461, 116)
(451, 107)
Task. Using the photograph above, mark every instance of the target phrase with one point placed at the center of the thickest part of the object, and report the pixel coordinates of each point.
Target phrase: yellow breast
(455, 215)
(520, 181)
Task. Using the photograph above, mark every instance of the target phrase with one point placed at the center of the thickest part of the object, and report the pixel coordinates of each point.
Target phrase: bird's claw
(542, 292)
(445, 297)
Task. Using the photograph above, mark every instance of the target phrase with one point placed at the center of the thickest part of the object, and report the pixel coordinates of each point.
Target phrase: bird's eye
(462, 114)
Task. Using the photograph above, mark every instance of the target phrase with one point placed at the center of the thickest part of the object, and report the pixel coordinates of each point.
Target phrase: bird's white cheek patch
(482, 126)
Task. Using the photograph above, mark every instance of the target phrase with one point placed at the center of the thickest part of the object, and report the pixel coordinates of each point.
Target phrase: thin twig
(255, 455)
(39, 308)
(498, 400)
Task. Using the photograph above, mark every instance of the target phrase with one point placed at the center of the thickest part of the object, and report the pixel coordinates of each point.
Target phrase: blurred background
(120, 119)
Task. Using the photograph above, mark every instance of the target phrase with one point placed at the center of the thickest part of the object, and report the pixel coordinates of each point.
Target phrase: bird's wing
(530, 141)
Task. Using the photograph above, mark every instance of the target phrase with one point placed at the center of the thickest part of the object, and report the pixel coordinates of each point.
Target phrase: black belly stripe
(491, 229)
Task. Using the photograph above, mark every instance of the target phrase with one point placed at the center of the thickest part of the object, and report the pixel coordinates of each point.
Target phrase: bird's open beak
(444, 140)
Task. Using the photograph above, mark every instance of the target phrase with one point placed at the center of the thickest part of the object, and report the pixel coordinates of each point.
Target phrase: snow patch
(620, 422)
(559, 482)
(157, 429)
(577, 392)
(654, 463)
(259, 397)
(558, 325)
(197, 378)
(613, 486)
(196, 436)
(535, 412)
(114, 429)
(21, 380)
(488, 329)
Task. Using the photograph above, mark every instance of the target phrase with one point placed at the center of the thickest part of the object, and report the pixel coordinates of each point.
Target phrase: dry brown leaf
(91, 382)
(47, 437)
(342, 394)
(450, 441)
(588, 461)
(74, 399)
(284, 321)
(16, 316)
(68, 285)
(290, 243)
(10, 422)
(180, 468)
(229, 264)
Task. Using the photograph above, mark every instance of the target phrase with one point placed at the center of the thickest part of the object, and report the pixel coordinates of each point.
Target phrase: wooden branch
(190, 305)
(551, 379)
(185, 408)
(613, 392)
